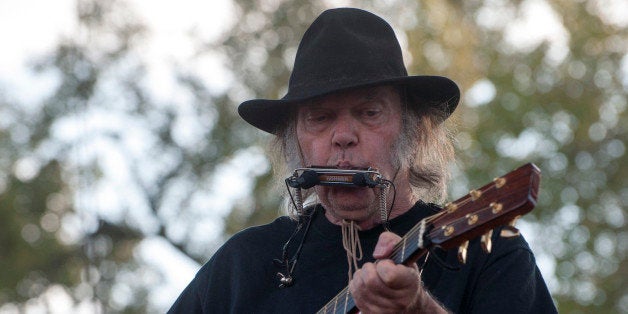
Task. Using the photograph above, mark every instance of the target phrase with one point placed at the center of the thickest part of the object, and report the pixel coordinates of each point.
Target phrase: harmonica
(306, 178)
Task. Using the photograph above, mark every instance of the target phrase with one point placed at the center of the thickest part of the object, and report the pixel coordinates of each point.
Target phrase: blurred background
(124, 166)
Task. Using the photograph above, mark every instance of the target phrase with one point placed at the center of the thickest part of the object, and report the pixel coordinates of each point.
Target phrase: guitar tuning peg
(462, 252)
(487, 243)
(514, 221)
(499, 182)
(509, 232)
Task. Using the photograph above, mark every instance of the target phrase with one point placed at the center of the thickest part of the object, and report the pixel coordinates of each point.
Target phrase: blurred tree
(130, 164)
(31, 208)
(46, 243)
(104, 162)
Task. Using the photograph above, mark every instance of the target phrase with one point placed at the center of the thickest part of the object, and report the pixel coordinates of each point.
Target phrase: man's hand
(386, 287)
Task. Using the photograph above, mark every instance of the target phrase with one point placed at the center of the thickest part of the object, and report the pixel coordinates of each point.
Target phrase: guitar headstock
(498, 203)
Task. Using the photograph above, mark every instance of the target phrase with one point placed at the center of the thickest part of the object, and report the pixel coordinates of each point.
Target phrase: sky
(28, 33)
(30, 28)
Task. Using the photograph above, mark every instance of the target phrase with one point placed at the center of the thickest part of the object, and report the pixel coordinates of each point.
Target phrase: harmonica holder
(305, 178)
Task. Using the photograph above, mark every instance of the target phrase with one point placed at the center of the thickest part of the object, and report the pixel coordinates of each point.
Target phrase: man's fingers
(396, 276)
(366, 288)
(385, 244)
(367, 278)
(386, 277)
(384, 287)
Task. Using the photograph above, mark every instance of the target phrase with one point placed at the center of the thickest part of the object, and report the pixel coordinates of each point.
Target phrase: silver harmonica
(306, 178)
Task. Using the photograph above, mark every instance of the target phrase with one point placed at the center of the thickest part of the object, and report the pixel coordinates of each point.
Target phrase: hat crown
(345, 47)
(348, 48)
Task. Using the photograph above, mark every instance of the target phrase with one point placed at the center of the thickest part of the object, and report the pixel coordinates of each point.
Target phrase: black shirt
(242, 277)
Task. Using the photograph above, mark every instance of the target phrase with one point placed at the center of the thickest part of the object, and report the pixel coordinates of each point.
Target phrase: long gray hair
(424, 146)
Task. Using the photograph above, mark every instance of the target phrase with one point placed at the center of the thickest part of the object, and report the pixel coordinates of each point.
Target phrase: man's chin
(365, 216)
(352, 204)
(352, 198)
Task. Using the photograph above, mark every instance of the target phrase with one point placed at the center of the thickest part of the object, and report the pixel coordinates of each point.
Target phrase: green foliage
(559, 104)
(47, 239)
(34, 257)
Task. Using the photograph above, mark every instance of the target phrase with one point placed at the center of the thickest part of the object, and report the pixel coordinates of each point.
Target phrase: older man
(352, 106)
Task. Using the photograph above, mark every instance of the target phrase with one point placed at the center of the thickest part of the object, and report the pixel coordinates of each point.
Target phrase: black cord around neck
(286, 279)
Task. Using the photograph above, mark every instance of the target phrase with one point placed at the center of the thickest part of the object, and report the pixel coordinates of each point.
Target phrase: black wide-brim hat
(348, 48)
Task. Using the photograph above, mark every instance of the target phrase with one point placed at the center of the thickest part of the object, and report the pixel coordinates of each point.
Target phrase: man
(351, 105)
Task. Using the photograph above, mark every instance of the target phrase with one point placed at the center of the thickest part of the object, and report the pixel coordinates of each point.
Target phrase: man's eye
(371, 113)
(317, 118)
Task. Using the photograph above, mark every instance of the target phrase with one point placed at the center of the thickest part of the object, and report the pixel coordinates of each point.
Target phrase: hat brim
(436, 91)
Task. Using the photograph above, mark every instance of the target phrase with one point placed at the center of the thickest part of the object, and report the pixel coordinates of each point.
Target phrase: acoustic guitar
(499, 203)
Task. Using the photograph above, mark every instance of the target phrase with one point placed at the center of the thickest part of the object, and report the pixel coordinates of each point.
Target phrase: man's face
(358, 128)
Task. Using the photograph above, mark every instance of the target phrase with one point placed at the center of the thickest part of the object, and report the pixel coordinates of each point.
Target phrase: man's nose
(345, 132)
